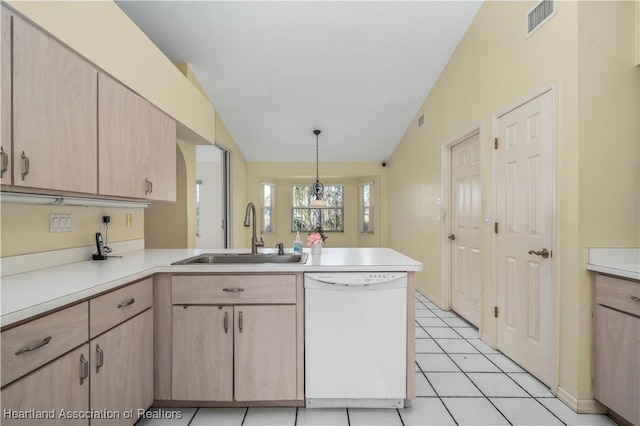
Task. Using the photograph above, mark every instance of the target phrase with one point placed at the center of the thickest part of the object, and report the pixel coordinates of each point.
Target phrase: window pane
(304, 218)
(268, 192)
(267, 195)
(366, 204)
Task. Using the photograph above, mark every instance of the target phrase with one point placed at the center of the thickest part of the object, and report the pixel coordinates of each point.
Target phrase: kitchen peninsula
(143, 305)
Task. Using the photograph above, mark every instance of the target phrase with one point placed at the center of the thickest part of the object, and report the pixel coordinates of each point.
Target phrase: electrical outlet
(129, 220)
(60, 222)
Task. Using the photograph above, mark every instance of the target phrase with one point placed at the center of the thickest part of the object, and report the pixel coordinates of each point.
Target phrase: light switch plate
(60, 222)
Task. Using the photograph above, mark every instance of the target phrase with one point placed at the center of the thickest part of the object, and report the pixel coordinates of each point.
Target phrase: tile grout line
(468, 378)
(530, 396)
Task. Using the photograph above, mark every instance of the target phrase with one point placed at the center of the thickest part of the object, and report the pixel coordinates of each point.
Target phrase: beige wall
(25, 228)
(587, 53)
(284, 175)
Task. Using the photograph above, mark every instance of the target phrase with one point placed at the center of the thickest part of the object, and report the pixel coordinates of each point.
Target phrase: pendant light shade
(318, 188)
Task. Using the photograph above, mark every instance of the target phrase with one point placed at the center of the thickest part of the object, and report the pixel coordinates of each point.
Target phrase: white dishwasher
(355, 339)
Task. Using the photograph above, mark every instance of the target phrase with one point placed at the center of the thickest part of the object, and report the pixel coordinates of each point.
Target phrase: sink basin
(242, 258)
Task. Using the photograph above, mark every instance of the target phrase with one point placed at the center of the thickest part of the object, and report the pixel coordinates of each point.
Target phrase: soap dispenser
(297, 244)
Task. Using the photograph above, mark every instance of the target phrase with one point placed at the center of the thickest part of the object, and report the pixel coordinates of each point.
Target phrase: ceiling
(275, 71)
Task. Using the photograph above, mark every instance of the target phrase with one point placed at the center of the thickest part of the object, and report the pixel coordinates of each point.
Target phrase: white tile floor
(460, 380)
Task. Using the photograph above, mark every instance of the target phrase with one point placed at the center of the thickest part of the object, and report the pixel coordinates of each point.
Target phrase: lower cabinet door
(202, 358)
(265, 352)
(617, 363)
(122, 371)
(56, 394)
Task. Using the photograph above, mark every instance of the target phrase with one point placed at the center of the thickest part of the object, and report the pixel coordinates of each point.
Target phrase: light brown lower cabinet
(51, 395)
(234, 353)
(617, 346)
(202, 353)
(122, 370)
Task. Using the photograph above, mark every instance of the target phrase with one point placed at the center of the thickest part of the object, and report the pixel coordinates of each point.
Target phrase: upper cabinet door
(162, 156)
(54, 114)
(123, 141)
(5, 92)
(136, 144)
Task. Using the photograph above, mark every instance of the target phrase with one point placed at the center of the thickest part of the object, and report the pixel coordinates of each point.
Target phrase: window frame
(313, 212)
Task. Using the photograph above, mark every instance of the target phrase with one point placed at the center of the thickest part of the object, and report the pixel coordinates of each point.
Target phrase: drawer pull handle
(85, 368)
(127, 303)
(635, 299)
(26, 349)
(5, 162)
(25, 165)
(226, 322)
(100, 356)
(233, 290)
(240, 321)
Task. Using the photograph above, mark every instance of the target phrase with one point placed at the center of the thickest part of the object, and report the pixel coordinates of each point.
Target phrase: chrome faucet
(255, 243)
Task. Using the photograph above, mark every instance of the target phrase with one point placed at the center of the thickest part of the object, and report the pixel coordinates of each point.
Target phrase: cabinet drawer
(619, 294)
(233, 289)
(113, 308)
(28, 346)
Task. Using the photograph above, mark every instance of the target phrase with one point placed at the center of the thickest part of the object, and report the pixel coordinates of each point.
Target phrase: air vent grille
(539, 14)
(421, 121)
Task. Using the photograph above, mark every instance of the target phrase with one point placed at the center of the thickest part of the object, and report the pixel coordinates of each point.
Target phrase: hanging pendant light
(318, 188)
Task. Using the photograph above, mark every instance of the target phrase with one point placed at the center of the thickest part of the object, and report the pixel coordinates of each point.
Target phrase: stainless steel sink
(242, 258)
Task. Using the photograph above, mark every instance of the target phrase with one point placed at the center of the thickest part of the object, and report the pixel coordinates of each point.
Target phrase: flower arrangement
(316, 236)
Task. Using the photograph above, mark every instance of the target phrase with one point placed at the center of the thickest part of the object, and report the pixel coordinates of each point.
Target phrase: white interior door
(466, 262)
(524, 213)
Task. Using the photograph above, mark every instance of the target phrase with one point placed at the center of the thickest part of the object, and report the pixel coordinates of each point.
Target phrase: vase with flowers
(316, 238)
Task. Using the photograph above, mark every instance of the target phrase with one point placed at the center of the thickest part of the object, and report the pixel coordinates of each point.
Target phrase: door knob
(452, 237)
(544, 253)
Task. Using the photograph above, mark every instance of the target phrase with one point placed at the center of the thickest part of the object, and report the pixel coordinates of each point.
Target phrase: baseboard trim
(488, 340)
(581, 406)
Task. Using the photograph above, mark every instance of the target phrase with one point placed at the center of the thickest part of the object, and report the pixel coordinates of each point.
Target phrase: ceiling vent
(540, 13)
(421, 121)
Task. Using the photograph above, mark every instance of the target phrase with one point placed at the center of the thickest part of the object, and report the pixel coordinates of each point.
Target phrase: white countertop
(619, 262)
(32, 293)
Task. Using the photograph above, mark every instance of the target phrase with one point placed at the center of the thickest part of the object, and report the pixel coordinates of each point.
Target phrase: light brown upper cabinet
(5, 91)
(137, 144)
(54, 114)
(161, 161)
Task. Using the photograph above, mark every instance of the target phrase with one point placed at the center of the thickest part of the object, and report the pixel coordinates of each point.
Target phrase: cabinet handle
(635, 299)
(100, 362)
(240, 321)
(233, 290)
(127, 303)
(38, 345)
(5, 162)
(226, 322)
(84, 364)
(25, 165)
(148, 186)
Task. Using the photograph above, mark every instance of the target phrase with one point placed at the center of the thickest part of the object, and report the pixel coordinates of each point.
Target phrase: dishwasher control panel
(356, 278)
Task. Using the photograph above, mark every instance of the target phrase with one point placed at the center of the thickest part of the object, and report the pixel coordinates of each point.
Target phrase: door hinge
(495, 312)
(495, 143)
(495, 227)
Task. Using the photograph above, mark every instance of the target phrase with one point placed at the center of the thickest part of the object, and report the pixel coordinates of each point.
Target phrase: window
(366, 208)
(268, 192)
(304, 218)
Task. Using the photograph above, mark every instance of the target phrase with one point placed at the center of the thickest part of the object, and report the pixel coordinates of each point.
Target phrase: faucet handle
(259, 243)
(280, 247)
